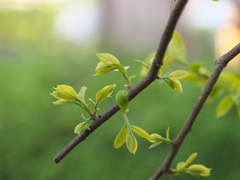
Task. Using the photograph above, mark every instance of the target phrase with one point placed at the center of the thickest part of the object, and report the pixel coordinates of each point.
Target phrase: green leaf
(81, 94)
(176, 48)
(190, 159)
(224, 105)
(181, 167)
(178, 74)
(122, 100)
(61, 101)
(170, 84)
(167, 133)
(110, 88)
(107, 59)
(120, 68)
(198, 170)
(101, 95)
(177, 85)
(141, 132)
(154, 138)
(65, 92)
(236, 98)
(80, 128)
(121, 137)
(155, 144)
(229, 82)
(131, 142)
(103, 71)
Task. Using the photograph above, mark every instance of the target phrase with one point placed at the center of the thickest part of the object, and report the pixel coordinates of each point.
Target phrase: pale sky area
(82, 17)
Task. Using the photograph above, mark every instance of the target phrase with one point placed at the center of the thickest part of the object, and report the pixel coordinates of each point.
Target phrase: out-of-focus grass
(33, 130)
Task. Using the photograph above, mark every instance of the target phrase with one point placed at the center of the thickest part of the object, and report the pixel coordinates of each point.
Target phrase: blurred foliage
(33, 130)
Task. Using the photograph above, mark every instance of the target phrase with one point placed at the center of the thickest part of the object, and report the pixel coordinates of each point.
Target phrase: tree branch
(135, 90)
(220, 64)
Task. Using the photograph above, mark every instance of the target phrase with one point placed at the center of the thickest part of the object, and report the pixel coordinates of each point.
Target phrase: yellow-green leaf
(122, 100)
(167, 133)
(101, 95)
(103, 71)
(141, 132)
(154, 138)
(121, 137)
(110, 88)
(155, 144)
(131, 142)
(120, 68)
(170, 84)
(61, 101)
(177, 85)
(65, 92)
(178, 74)
(198, 170)
(181, 167)
(224, 105)
(81, 94)
(190, 159)
(107, 58)
(80, 128)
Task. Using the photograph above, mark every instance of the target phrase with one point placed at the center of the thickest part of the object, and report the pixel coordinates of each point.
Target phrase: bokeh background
(47, 43)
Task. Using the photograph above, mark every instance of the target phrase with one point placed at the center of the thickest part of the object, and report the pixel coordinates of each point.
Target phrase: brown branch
(220, 64)
(135, 90)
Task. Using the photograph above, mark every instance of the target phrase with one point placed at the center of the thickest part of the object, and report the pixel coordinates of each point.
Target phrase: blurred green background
(33, 130)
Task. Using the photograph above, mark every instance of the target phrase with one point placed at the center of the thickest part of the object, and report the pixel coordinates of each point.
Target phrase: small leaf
(224, 105)
(198, 170)
(107, 58)
(141, 132)
(178, 74)
(122, 100)
(101, 95)
(167, 133)
(177, 85)
(80, 128)
(103, 71)
(61, 101)
(181, 167)
(81, 94)
(120, 68)
(65, 92)
(170, 84)
(154, 138)
(190, 159)
(131, 142)
(110, 88)
(155, 144)
(121, 137)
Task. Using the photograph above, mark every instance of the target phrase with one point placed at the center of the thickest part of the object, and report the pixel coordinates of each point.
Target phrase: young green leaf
(224, 105)
(141, 132)
(131, 78)
(107, 59)
(190, 159)
(65, 92)
(122, 100)
(120, 68)
(167, 133)
(80, 128)
(154, 138)
(178, 74)
(155, 144)
(177, 85)
(110, 89)
(121, 137)
(181, 167)
(81, 94)
(198, 170)
(131, 142)
(170, 84)
(101, 95)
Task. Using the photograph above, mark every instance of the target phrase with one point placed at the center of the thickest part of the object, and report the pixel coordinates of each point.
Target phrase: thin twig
(168, 176)
(220, 64)
(135, 90)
